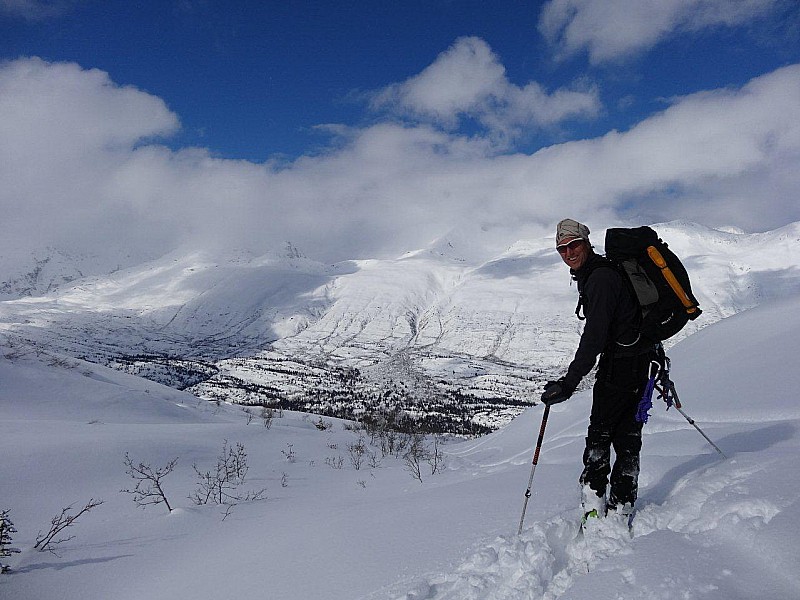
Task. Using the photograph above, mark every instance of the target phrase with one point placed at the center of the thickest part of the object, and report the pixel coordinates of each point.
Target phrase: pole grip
(541, 434)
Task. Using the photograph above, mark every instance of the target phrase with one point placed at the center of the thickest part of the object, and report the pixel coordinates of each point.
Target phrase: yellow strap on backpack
(656, 257)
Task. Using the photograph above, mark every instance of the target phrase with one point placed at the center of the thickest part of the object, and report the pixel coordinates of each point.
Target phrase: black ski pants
(619, 386)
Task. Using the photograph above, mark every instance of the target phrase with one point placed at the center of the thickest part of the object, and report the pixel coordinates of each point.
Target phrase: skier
(610, 331)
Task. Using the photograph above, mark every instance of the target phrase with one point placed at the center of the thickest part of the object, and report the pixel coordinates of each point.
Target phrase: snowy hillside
(457, 323)
(49, 269)
(707, 528)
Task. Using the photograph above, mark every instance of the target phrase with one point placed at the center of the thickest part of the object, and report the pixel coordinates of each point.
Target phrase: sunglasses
(573, 245)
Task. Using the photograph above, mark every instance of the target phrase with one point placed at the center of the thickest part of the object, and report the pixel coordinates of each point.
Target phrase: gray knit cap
(568, 229)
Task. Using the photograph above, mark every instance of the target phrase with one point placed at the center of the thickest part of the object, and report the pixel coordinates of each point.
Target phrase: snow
(483, 312)
(706, 528)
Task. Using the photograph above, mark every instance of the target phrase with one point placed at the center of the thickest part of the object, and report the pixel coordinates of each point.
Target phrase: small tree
(7, 530)
(416, 453)
(148, 488)
(436, 457)
(47, 542)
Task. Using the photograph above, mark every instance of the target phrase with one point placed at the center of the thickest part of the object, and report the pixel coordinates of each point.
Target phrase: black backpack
(658, 280)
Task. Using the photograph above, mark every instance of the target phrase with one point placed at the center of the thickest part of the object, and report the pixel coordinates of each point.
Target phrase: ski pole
(533, 465)
(668, 395)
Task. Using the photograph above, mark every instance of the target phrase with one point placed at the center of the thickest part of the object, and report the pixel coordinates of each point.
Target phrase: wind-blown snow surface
(707, 527)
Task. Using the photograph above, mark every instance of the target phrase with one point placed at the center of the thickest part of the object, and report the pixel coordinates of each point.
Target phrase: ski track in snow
(550, 557)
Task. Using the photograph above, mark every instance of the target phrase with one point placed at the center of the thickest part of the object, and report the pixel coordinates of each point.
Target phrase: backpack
(658, 280)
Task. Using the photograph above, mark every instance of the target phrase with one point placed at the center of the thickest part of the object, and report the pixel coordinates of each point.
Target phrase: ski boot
(625, 513)
(592, 505)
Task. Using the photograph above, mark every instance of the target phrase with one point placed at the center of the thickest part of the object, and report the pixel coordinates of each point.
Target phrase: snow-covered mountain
(454, 318)
(708, 528)
(49, 269)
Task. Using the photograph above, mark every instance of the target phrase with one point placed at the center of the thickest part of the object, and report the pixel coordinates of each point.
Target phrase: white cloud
(79, 172)
(63, 133)
(461, 80)
(467, 80)
(612, 29)
(686, 161)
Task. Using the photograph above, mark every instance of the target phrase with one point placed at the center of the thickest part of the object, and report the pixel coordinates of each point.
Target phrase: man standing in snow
(611, 331)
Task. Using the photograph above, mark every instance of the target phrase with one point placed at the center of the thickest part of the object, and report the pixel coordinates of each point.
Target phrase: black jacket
(611, 312)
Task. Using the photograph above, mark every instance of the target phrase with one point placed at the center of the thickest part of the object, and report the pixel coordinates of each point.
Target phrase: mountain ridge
(457, 317)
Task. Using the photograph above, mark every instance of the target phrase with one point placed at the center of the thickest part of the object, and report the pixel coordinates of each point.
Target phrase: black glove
(556, 391)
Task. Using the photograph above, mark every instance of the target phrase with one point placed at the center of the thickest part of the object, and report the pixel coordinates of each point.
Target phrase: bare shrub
(267, 415)
(335, 462)
(358, 452)
(219, 486)
(149, 489)
(373, 461)
(289, 452)
(48, 541)
(323, 425)
(436, 457)
(61, 362)
(416, 453)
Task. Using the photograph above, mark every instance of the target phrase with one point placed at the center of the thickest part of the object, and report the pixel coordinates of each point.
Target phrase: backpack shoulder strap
(597, 262)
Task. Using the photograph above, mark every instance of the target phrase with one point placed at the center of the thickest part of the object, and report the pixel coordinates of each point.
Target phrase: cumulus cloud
(468, 80)
(612, 29)
(687, 161)
(82, 169)
(64, 131)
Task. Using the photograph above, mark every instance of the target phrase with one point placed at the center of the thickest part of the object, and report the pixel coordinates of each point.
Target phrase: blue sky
(250, 79)
(253, 79)
(286, 98)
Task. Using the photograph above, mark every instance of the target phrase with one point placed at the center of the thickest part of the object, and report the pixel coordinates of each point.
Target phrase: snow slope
(707, 528)
(492, 322)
